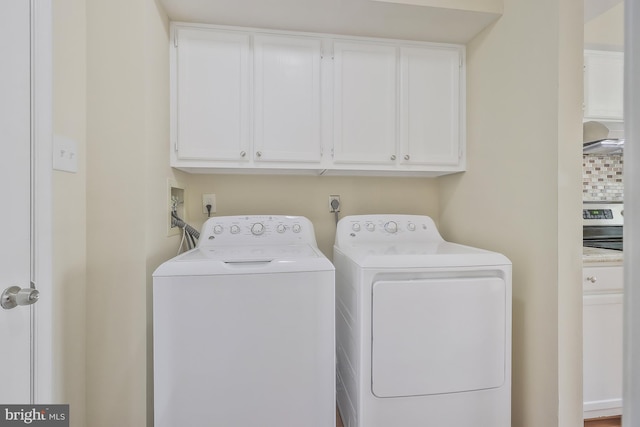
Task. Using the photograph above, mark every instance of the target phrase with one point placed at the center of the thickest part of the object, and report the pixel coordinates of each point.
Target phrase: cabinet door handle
(407, 157)
(258, 154)
(592, 279)
(243, 153)
(393, 157)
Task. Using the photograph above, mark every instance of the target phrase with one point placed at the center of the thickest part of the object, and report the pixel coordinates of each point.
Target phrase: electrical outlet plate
(208, 199)
(331, 199)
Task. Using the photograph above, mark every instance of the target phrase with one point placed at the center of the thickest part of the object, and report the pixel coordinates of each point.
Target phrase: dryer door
(440, 335)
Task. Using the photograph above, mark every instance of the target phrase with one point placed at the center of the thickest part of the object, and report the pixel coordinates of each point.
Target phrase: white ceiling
(348, 17)
(593, 8)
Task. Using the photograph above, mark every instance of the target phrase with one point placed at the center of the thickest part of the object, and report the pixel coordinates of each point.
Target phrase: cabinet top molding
(453, 21)
(177, 26)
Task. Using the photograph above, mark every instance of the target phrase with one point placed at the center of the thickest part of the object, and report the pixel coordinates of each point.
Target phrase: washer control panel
(364, 229)
(257, 229)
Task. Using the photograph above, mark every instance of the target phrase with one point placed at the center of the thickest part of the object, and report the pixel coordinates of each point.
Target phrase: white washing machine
(243, 328)
(423, 327)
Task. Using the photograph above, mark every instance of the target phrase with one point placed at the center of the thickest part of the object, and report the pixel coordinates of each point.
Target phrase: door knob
(14, 296)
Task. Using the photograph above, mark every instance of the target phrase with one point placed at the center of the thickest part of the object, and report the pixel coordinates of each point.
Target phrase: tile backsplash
(602, 178)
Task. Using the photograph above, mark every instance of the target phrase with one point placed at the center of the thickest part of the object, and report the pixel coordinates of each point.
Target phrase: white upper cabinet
(603, 85)
(364, 103)
(257, 101)
(287, 99)
(430, 110)
(210, 92)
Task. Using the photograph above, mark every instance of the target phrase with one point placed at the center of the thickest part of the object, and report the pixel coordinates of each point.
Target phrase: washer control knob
(217, 229)
(296, 228)
(257, 229)
(411, 226)
(391, 227)
(370, 226)
(235, 229)
(281, 228)
(355, 227)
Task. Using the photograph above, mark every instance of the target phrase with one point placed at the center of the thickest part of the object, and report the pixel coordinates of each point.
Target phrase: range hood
(602, 137)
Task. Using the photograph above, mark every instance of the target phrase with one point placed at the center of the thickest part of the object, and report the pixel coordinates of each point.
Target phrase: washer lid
(245, 260)
(252, 253)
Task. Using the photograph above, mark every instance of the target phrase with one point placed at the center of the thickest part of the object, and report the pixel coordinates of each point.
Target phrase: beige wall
(520, 123)
(309, 196)
(127, 162)
(569, 238)
(69, 209)
(158, 245)
(606, 31)
(521, 194)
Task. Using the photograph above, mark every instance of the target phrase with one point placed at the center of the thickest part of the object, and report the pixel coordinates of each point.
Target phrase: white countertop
(597, 255)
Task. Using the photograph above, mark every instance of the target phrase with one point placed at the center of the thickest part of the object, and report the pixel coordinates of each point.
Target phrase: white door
(15, 174)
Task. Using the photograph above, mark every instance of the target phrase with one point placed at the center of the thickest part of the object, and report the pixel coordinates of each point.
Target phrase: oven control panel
(599, 214)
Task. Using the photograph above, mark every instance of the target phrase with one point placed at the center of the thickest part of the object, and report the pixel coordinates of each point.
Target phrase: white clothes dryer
(243, 328)
(423, 327)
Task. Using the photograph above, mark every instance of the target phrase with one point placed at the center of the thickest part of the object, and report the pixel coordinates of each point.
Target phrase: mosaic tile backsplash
(602, 178)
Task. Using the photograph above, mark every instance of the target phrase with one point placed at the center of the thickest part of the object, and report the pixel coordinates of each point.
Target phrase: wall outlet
(208, 199)
(334, 203)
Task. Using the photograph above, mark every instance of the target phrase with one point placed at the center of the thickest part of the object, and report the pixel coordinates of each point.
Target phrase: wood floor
(600, 422)
(604, 422)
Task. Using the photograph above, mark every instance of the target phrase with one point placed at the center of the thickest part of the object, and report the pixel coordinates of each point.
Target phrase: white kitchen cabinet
(603, 85)
(430, 109)
(602, 341)
(287, 99)
(410, 119)
(211, 95)
(257, 101)
(364, 103)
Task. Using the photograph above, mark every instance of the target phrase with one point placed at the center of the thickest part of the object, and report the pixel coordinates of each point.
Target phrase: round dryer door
(439, 335)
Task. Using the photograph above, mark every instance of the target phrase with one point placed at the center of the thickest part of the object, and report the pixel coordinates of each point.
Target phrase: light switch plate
(65, 154)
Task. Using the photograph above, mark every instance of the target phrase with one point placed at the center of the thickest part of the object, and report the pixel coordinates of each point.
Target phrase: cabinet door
(603, 85)
(602, 353)
(212, 95)
(287, 99)
(430, 106)
(365, 103)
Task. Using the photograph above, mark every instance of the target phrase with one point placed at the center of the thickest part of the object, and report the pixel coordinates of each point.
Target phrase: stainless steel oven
(602, 224)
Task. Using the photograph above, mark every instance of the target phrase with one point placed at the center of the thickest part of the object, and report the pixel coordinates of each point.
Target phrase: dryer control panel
(257, 229)
(364, 229)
